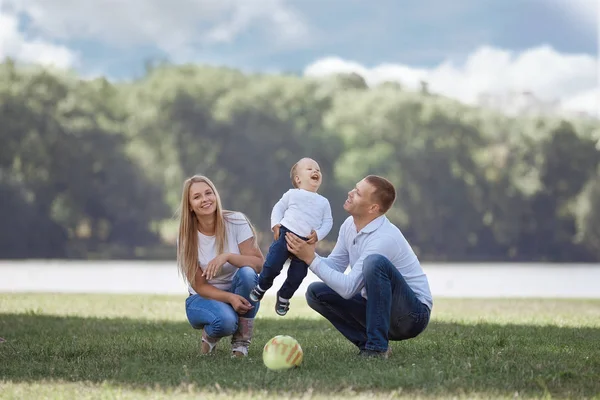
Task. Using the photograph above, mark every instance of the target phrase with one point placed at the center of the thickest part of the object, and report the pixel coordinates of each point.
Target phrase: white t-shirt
(238, 230)
(302, 211)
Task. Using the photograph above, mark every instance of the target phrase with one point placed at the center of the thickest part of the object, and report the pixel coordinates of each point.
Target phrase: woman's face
(203, 200)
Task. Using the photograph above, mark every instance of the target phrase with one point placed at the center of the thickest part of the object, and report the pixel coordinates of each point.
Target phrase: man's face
(359, 201)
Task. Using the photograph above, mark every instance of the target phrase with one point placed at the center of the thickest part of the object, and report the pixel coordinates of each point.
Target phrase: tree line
(94, 169)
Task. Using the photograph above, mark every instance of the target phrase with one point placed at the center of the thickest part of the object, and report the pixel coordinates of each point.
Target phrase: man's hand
(312, 238)
(300, 248)
(214, 266)
(240, 304)
(276, 231)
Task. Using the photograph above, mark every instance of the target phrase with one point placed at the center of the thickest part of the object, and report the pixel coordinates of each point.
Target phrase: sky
(463, 48)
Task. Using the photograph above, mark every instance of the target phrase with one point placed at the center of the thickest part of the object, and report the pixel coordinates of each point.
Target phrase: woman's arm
(208, 291)
(250, 256)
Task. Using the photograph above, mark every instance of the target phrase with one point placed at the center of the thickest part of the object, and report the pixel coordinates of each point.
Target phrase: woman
(219, 257)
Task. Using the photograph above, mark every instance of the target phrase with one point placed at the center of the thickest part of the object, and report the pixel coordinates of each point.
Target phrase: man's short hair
(384, 194)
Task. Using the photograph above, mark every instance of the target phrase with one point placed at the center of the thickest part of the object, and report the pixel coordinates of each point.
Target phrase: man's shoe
(375, 354)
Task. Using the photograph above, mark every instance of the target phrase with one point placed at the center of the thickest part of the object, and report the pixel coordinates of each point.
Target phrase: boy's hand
(276, 231)
(312, 238)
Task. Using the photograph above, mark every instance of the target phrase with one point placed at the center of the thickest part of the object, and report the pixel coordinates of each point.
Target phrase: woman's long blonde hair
(187, 240)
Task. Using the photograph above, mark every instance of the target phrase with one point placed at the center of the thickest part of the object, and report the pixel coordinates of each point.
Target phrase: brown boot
(240, 341)
(208, 343)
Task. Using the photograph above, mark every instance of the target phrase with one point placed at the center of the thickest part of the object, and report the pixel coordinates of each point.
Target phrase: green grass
(140, 346)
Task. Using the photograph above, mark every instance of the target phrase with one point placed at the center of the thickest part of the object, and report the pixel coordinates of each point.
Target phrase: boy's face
(308, 175)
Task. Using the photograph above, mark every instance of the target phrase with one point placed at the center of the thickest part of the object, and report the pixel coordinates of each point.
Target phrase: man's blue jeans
(217, 318)
(277, 256)
(392, 311)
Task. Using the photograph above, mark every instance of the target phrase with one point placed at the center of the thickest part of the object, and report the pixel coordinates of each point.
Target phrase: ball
(282, 352)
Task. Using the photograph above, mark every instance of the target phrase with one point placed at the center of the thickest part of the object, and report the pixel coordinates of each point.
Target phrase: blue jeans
(392, 311)
(217, 318)
(277, 256)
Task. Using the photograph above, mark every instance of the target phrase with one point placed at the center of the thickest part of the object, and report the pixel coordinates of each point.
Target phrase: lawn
(141, 347)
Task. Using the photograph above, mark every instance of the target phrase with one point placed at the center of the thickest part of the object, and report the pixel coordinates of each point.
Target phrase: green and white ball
(282, 352)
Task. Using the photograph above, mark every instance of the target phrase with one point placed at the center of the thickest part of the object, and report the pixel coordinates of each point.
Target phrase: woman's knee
(247, 275)
(372, 263)
(222, 325)
(218, 319)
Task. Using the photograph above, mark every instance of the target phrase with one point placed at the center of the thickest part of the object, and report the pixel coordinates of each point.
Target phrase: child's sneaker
(282, 306)
(257, 294)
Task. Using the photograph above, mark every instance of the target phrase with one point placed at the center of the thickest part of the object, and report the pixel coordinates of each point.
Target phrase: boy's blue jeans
(277, 256)
(217, 318)
(392, 311)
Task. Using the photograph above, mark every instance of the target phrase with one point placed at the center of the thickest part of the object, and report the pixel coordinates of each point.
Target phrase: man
(386, 294)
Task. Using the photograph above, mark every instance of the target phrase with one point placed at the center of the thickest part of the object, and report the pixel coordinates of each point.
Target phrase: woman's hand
(214, 266)
(300, 248)
(240, 304)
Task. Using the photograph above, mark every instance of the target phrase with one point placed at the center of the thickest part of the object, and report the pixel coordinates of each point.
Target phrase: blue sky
(427, 32)
(114, 38)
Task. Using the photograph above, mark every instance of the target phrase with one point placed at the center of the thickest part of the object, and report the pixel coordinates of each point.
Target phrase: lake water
(446, 280)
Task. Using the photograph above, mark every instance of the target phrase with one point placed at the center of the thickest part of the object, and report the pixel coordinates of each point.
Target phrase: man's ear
(374, 208)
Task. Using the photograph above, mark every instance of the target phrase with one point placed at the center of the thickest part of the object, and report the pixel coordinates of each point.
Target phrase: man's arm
(351, 284)
(338, 260)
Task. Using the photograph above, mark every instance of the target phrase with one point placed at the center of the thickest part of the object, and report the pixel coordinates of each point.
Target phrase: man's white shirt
(381, 237)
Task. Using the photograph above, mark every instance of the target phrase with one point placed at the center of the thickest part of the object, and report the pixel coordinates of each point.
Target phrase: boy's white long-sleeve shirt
(302, 211)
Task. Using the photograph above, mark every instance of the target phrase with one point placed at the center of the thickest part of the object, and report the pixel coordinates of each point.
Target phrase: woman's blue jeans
(219, 319)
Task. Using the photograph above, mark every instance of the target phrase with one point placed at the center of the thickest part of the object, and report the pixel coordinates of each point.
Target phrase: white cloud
(176, 27)
(550, 76)
(588, 101)
(284, 22)
(15, 45)
(586, 11)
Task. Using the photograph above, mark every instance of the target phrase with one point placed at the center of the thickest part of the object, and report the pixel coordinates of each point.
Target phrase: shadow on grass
(447, 359)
